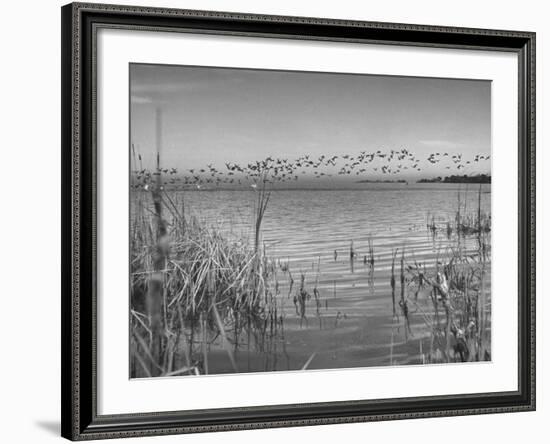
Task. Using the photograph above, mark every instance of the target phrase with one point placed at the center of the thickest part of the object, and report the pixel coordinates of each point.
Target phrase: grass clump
(207, 290)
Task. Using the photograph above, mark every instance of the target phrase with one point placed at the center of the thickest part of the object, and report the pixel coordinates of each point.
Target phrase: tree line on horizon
(457, 178)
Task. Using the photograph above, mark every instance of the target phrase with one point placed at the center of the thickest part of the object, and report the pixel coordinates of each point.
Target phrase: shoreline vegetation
(381, 181)
(198, 296)
(475, 179)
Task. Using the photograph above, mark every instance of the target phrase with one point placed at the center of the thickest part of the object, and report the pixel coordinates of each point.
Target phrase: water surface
(314, 232)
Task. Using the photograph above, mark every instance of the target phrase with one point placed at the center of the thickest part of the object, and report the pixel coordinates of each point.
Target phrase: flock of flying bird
(275, 170)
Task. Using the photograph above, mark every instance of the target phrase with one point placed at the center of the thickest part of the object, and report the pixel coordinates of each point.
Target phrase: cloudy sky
(218, 115)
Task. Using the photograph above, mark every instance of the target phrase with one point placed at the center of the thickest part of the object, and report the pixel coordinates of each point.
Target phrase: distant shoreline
(403, 187)
(478, 178)
(382, 181)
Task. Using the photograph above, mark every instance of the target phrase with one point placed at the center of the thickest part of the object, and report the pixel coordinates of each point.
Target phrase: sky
(218, 115)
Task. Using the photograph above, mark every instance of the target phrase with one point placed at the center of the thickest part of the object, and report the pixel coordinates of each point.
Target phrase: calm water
(312, 230)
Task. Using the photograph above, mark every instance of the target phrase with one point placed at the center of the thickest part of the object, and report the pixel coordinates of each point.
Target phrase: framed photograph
(279, 221)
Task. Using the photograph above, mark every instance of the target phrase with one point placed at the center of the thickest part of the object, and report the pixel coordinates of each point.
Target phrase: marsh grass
(455, 310)
(458, 322)
(465, 223)
(192, 287)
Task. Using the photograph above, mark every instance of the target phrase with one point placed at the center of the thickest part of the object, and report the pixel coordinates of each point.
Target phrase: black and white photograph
(294, 220)
(275, 222)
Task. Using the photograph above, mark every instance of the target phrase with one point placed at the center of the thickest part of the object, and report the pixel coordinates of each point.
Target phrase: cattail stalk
(155, 293)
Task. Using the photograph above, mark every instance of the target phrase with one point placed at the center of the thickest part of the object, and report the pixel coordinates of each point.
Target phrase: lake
(311, 232)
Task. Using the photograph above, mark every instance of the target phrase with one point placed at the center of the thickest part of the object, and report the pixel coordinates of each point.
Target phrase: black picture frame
(79, 386)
